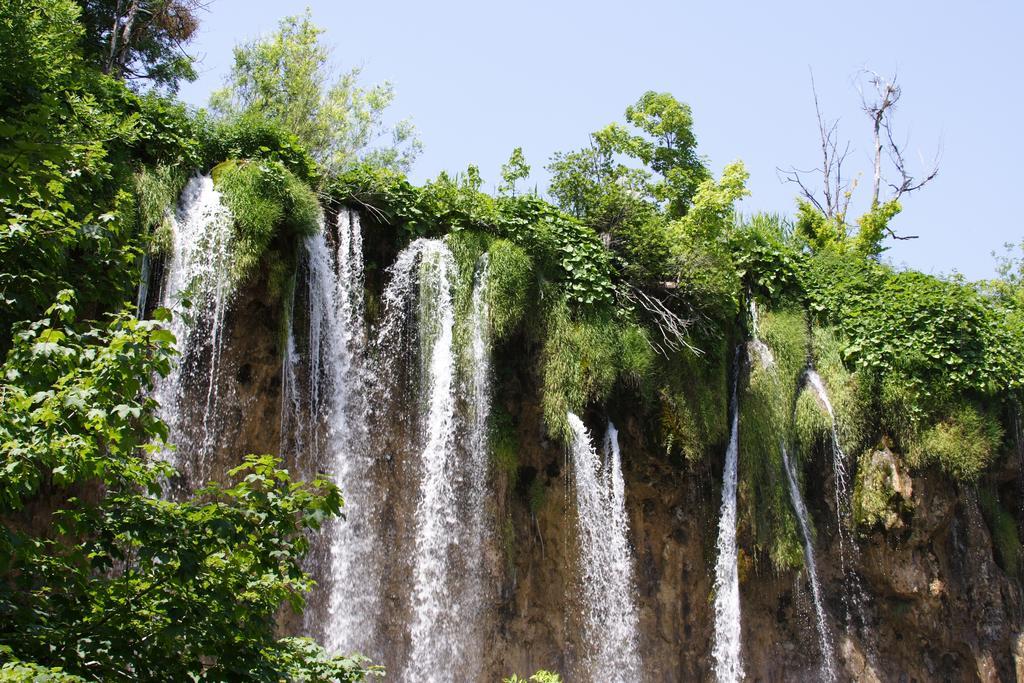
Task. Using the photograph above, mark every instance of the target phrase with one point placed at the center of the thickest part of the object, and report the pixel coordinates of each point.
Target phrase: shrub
(766, 263)
(269, 203)
(511, 286)
(962, 444)
(694, 401)
(156, 192)
(251, 136)
(765, 411)
(764, 496)
(583, 359)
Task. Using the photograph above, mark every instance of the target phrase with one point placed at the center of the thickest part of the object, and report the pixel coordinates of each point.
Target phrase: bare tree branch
(672, 328)
(835, 190)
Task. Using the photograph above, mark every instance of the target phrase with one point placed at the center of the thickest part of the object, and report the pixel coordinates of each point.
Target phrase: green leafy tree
(594, 186)
(67, 134)
(104, 579)
(666, 144)
(512, 171)
(286, 78)
(142, 41)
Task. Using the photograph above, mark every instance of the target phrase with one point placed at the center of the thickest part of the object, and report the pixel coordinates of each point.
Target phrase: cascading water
(828, 671)
(198, 271)
(477, 395)
(606, 572)
(439, 641)
(726, 651)
(847, 548)
(327, 429)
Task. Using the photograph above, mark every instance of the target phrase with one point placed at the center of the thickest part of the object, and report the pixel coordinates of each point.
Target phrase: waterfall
(337, 442)
(436, 645)
(478, 407)
(825, 639)
(828, 672)
(839, 471)
(198, 288)
(609, 610)
(847, 548)
(726, 651)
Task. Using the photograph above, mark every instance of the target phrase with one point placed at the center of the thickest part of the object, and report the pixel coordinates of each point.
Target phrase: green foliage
(852, 396)
(512, 171)
(562, 249)
(645, 249)
(694, 401)
(962, 444)
(143, 41)
(872, 230)
(156, 193)
(768, 265)
(764, 505)
(927, 340)
(16, 671)
(66, 218)
(666, 144)
(766, 408)
(73, 401)
(512, 286)
(711, 214)
(705, 272)
(592, 186)
(250, 136)
(123, 585)
(583, 359)
(821, 233)
(270, 204)
(875, 498)
(539, 677)
(285, 78)
(817, 231)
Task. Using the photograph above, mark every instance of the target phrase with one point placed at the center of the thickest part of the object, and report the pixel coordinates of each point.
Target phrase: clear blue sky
(480, 78)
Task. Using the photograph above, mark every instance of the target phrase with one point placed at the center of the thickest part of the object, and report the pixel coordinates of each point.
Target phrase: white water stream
(828, 670)
(196, 273)
(727, 643)
(606, 572)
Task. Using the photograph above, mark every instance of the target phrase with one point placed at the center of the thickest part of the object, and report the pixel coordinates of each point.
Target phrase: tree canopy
(287, 78)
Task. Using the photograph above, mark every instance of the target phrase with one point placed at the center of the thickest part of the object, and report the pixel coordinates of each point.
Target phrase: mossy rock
(883, 492)
(218, 171)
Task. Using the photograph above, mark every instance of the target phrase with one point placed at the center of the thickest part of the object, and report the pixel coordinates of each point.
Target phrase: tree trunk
(126, 37)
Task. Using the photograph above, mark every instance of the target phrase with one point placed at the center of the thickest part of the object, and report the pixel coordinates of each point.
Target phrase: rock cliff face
(938, 606)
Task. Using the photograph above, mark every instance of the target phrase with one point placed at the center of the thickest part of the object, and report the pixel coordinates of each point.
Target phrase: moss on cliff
(273, 211)
(962, 444)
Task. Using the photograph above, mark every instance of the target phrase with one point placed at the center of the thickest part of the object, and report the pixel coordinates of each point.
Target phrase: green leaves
(285, 78)
(139, 587)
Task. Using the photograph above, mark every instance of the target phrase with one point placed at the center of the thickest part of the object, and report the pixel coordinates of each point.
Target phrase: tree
(65, 221)
(592, 185)
(102, 577)
(512, 171)
(823, 214)
(595, 185)
(142, 40)
(668, 146)
(286, 78)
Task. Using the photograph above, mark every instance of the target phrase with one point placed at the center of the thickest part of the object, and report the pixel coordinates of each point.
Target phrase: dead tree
(878, 101)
